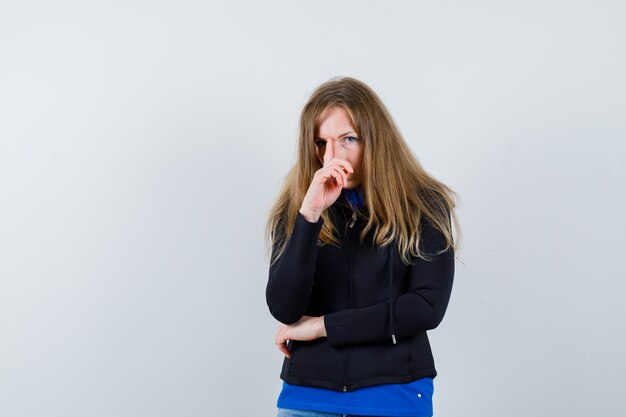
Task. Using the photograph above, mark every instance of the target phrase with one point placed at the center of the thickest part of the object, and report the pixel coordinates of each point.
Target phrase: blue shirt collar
(354, 196)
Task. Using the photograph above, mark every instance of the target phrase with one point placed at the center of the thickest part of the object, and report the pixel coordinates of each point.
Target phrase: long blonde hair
(397, 190)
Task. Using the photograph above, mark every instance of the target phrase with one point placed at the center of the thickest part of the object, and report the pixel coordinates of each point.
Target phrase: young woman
(362, 263)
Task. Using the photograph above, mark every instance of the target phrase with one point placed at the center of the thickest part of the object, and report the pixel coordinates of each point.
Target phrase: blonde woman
(362, 263)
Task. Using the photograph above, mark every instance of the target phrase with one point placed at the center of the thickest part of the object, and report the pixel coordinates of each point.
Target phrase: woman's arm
(290, 282)
(422, 308)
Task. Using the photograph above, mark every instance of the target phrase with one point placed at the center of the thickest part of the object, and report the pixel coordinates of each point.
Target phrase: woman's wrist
(310, 215)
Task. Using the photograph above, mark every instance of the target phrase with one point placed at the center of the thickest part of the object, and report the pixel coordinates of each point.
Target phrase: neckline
(353, 197)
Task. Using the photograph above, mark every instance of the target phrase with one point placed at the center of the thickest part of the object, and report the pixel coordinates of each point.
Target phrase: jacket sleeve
(290, 281)
(421, 308)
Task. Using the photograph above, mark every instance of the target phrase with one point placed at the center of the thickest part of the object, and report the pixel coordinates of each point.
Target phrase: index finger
(329, 154)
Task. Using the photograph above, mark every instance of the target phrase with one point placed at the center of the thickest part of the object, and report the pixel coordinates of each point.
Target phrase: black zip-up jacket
(376, 309)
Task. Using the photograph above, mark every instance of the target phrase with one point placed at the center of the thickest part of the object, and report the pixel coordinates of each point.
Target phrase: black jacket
(376, 309)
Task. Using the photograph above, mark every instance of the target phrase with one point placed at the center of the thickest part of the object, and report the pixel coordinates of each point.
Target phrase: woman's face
(335, 123)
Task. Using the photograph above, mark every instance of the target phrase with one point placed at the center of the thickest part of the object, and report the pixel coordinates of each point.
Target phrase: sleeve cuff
(332, 333)
(307, 226)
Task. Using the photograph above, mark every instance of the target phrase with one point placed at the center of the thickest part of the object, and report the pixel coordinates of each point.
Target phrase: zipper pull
(353, 219)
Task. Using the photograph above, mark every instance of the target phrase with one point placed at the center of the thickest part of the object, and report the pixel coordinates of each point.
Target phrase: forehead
(335, 120)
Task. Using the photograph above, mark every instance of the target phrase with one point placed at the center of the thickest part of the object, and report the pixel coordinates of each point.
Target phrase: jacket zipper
(353, 219)
(350, 256)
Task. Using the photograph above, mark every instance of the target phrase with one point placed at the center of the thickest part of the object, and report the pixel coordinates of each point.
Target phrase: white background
(142, 143)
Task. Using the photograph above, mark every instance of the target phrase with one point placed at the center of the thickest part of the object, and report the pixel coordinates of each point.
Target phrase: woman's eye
(349, 139)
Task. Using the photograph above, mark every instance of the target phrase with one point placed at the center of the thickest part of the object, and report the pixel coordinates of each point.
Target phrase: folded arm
(421, 308)
(290, 281)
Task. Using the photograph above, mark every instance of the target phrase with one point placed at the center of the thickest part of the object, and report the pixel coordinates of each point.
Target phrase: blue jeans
(292, 412)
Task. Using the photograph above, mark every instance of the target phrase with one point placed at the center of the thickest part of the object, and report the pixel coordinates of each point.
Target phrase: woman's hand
(327, 184)
(307, 328)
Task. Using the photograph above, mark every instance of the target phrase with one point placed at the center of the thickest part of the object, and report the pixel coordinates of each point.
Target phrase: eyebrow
(340, 136)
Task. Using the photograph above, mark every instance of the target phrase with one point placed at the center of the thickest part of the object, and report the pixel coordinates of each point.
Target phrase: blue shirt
(354, 196)
(412, 399)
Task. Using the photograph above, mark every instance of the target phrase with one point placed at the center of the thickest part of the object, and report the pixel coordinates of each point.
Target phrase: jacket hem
(310, 382)
(338, 385)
